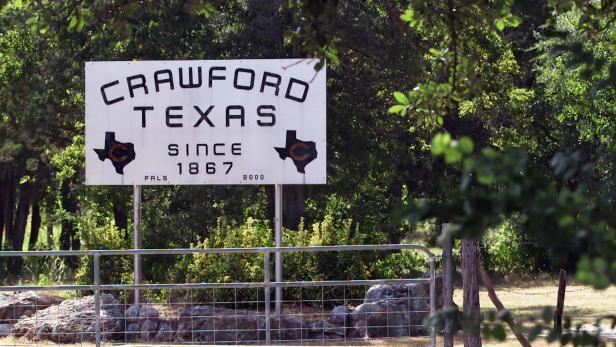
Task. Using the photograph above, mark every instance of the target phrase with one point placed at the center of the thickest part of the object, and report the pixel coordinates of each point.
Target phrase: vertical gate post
(432, 298)
(266, 290)
(278, 243)
(97, 299)
(448, 279)
(137, 238)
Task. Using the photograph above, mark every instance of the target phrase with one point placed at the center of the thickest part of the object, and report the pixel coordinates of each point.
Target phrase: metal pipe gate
(266, 285)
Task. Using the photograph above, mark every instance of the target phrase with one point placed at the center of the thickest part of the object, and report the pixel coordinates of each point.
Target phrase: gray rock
(339, 315)
(132, 313)
(5, 329)
(165, 333)
(14, 306)
(148, 329)
(148, 312)
(133, 328)
(387, 311)
(71, 321)
(209, 324)
(137, 313)
(394, 310)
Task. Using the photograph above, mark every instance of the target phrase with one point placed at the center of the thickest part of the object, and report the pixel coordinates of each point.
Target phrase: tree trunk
(470, 263)
(35, 225)
(485, 279)
(8, 186)
(68, 234)
(19, 228)
(50, 241)
(1, 216)
(293, 205)
(120, 216)
(268, 32)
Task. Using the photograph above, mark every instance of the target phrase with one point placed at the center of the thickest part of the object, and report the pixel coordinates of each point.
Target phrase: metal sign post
(278, 243)
(137, 238)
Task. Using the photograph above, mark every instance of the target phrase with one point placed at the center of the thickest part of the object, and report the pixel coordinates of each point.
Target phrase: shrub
(335, 228)
(403, 264)
(225, 268)
(506, 250)
(101, 233)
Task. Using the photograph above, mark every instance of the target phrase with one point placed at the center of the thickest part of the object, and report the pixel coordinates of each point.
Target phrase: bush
(506, 251)
(403, 264)
(336, 228)
(101, 233)
(225, 268)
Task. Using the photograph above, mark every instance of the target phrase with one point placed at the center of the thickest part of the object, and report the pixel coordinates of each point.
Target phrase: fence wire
(313, 312)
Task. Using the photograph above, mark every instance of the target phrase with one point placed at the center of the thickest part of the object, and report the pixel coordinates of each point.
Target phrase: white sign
(258, 121)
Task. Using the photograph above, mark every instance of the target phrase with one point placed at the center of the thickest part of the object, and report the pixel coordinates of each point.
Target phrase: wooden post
(560, 301)
(470, 287)
(448, 280)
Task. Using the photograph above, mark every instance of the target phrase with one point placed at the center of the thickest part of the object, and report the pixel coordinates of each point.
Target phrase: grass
(582, 303)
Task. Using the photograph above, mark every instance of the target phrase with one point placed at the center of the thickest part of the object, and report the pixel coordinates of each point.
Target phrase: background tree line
(526, 76)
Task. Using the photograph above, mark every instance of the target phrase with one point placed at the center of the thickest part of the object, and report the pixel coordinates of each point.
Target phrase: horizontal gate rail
(180, 251)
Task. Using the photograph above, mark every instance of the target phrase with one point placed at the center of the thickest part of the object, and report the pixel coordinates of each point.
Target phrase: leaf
(466, 145)
(435, 52)
(500, 24)
(396, 109)
(548, 315)
(499, 332)
(534, 332)
(486, 177)
(553, 335)
(440, 142)
(452, 155)
(504, 315)
(73, 22)
(333, 57)
(407, 15)
(401, 98)
(513, 20)
(490, 316)
(566, 221)
(565, 339)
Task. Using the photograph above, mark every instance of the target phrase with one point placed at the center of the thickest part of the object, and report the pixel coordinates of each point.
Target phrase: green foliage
(223, 268)
(496, 185)
(585, 39)
(47, 271)
(316, 35)
(506, 251)
(336, 228)
(504, 85)
(404, 264)
(580, 93)
(69, 161)
(98, 232)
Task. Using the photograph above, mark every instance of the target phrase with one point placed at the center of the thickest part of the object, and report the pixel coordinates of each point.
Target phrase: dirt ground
(583, 304)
